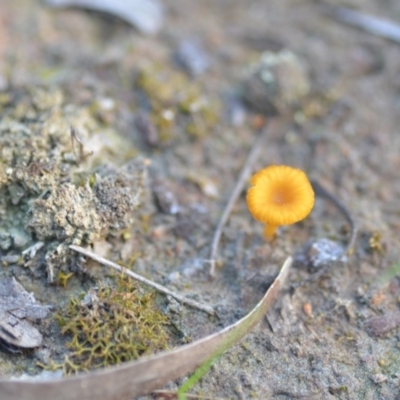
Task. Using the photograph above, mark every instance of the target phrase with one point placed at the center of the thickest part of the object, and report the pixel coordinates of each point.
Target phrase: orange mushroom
(279, 195)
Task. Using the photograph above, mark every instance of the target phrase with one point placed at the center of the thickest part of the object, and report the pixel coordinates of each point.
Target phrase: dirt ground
(320, 341)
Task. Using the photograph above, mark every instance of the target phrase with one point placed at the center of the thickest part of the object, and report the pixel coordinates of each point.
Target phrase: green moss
(111, 325)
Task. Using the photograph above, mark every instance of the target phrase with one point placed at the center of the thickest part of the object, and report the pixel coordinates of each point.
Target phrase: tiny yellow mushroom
(279, 195)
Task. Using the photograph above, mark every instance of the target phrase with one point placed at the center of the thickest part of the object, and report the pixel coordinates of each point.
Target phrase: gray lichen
(46, 195)
(67, 213)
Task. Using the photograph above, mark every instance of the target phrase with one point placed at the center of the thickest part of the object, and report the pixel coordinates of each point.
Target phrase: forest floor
(322, 340)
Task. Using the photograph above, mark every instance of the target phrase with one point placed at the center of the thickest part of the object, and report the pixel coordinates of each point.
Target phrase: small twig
(314, 333)
(32, 250)
(160, 288)
(74, 138)
(368, 23)
(258, 147)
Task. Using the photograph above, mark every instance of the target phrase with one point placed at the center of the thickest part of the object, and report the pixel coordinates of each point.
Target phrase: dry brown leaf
(145, 15)
(146, 375)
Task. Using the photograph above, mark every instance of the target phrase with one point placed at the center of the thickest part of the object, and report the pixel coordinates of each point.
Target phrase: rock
(165, 198)
(382, 325)
(276, 83)
(320, 253)
(146, 129)
(192, 56)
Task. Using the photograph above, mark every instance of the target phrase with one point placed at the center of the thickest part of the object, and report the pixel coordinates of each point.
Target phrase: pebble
(275, 83)
(378, 378)
(382, 325)
(320, 253)
(146, 129)
(193, 268)
(236, 112)
(174, 277)
(192, 56)
(165, 198)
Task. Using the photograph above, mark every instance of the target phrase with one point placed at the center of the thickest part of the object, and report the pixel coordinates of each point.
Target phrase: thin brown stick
(252, 158)
(160, 288)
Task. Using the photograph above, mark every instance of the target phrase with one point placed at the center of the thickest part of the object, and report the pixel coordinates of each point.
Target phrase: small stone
(382, 325)
(320, 253)
(43, 355)
(195, 267)
(275, 83)
(236, 112)
(174, 277)
(146, 129)
(192, 56)
(378, 378)
(165, 198)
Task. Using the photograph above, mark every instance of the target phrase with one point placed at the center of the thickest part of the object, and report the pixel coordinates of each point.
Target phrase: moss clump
(110, 325)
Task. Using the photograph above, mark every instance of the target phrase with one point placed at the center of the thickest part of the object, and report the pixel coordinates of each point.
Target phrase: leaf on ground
(144, 376)
(145, 15)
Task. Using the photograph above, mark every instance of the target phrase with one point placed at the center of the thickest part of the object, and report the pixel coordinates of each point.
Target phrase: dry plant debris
(192, 303)
(44, 196)
(17, 309)
(146, 375)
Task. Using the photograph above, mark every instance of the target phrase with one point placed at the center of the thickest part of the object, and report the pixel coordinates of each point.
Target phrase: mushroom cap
(280, 195)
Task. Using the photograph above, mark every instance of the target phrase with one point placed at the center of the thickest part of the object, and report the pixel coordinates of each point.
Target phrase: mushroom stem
(269, 231)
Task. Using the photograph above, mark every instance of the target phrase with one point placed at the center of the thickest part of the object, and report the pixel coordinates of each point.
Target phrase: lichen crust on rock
(51, 194)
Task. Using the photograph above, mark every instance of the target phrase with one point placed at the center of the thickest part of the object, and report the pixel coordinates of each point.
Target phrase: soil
(335, 337)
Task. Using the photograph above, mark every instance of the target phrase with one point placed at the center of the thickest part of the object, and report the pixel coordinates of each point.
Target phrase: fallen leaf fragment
(146, 375)
(145, 15)
(17, 306)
